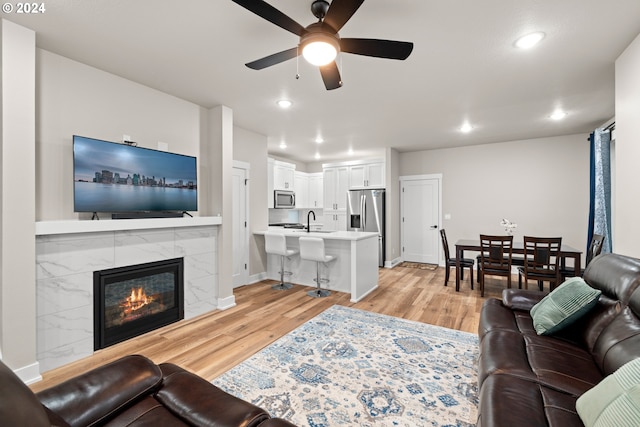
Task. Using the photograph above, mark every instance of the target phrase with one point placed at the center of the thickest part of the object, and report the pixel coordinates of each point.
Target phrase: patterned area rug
(418, 265)
(352, 367)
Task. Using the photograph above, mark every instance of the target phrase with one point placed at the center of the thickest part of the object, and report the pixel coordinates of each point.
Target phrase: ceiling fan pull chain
(298, 64)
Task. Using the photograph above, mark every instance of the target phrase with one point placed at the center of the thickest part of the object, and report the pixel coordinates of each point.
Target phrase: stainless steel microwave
(284, 199)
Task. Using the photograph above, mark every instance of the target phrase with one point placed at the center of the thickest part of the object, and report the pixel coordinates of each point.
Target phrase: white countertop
(333, 235)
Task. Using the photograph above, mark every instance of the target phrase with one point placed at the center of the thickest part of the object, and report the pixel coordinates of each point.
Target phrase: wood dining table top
(462, 245)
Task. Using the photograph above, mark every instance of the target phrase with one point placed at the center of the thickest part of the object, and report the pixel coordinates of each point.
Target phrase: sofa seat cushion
(561, 365)
(548, 361)
(147, 412)
(506, 400)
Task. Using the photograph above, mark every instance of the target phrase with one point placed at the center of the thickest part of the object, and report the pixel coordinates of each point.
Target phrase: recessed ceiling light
(530, 40)
(350, 152)
(319, 140)
(283, 145)
(466, 128)
(284, 103)
(317, 156)
(558, 115)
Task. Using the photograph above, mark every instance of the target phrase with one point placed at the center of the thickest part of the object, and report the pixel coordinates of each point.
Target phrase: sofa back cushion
(617, 276)
(18, 404)
(619, 342)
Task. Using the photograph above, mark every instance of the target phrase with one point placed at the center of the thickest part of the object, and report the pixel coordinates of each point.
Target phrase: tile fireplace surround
(68, 252)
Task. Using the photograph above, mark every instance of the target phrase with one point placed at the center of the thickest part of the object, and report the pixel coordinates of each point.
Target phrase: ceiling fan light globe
(319, 53)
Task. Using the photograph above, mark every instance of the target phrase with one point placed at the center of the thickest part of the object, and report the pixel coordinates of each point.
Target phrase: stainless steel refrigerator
(365, 212)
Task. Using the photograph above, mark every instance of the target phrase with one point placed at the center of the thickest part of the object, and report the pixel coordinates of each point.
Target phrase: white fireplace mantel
(44, 228)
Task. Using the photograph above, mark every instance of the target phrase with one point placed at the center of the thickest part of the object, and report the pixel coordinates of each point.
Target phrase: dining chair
(451, 262)
(541, 261)
(495, 258)
(595, 247)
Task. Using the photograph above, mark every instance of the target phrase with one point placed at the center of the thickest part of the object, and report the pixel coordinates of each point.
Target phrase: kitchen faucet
(314, 218)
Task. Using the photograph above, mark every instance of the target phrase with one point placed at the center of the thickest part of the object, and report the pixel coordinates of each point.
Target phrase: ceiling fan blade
(389, 49)
(271, 14)
(274, 59)
(340, 12)
(331, 76)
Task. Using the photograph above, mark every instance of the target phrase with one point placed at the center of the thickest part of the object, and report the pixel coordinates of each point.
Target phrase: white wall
(73, 98)
(392, 231)
(251, 147)
(540, 184)
(626, 233)
(17, 198)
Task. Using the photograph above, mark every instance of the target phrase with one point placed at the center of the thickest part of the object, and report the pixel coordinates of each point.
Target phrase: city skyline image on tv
(114, 177)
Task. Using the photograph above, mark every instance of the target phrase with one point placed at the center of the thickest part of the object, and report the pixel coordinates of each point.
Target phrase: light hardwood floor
(213, 343)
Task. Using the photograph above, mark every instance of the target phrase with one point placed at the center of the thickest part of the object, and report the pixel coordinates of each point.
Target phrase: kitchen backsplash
(293, 215)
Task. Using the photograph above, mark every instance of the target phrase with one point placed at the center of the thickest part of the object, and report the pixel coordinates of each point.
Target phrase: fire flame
(137, 300)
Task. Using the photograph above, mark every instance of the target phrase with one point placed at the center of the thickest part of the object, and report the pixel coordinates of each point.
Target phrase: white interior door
(420, 219)
(240, 227)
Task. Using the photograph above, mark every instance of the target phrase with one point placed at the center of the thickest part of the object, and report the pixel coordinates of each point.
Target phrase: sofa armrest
(95, 396)
(276, 422)
(520, 299)
(199, 402)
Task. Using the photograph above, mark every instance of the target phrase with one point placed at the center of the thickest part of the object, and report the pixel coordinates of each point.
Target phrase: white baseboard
(226, 303)
(363, 296)
(392, 263)
(255, 278)
(29, 374)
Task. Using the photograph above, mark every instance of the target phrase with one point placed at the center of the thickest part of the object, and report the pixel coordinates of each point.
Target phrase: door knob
(433, 227)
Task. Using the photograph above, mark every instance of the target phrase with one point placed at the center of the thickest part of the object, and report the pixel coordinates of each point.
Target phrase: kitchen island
(354, 271)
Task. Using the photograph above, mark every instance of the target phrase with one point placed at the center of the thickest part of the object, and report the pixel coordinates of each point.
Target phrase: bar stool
(276, 244)
(312, 249)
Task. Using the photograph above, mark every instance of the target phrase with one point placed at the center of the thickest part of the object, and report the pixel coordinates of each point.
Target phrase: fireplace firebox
(130, 301)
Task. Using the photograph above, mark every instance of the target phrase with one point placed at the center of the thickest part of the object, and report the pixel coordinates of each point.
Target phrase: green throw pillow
(615, 401)
(563, 306)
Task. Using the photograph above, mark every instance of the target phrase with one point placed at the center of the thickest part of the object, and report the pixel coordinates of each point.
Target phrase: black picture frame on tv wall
(122, 178)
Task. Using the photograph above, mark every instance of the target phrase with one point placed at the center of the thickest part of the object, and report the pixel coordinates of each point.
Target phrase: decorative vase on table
(508, 226)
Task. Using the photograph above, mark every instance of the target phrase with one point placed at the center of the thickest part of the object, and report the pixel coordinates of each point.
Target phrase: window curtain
(600, 188)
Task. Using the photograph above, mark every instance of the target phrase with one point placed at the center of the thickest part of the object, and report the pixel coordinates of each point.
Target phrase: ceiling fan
(320, 42)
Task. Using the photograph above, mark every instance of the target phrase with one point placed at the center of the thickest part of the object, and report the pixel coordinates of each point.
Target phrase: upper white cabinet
(283, 175)
(280, 176)
(301, 184)
(308, 190)
(316, 190)
(367, 175)
(336, 186)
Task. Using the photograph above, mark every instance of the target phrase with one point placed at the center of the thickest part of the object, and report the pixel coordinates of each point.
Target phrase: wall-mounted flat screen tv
(114, 177)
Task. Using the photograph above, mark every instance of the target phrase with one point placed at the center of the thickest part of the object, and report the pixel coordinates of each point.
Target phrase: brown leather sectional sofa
(526, 379)
(132, 391)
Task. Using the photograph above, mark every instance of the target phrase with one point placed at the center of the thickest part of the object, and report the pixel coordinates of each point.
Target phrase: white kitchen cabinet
(335, 186)
(315, 194)
(334, 221)
(283, 175)
(367, 175)
(280, 176)
(301, 184)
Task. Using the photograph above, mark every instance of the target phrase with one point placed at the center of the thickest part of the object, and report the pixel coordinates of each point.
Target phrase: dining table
(566, 251)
